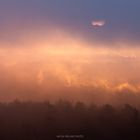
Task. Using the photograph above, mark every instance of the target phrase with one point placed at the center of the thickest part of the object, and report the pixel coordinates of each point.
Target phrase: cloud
(60, 65)
(98, 23)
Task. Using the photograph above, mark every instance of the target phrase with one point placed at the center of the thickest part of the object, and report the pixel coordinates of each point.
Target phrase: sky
(76, 49)
(122, 17)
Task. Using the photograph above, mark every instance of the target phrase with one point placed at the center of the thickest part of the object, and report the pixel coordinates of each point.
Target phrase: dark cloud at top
(122, 17)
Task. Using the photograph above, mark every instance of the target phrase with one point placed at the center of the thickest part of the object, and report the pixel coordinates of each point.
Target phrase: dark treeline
(64, 120)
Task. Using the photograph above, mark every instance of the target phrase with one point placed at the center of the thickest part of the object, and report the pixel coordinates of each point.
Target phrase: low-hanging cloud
(59, 65)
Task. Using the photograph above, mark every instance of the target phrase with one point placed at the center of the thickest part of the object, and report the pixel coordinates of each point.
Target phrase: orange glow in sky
(42, 66)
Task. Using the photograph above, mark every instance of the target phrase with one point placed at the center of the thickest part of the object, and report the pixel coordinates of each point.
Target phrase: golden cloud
(44, 67)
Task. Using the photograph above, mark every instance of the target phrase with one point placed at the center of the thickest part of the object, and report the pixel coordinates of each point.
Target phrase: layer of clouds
(66, 67)
(34, 66)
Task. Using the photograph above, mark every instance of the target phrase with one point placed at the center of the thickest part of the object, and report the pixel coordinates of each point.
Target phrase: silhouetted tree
(43, 120)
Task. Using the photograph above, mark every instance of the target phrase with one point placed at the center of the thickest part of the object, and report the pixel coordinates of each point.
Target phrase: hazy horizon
(83, 50)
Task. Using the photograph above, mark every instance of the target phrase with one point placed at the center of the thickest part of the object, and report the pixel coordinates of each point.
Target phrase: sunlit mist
(62, 66)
